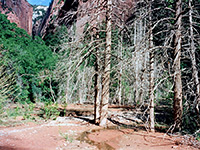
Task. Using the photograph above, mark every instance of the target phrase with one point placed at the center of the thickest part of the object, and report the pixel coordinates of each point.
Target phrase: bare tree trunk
(119, 99)
(178, 107)
(120, 61)
(98, 90)
(67, 92)
(138, 58)
(151, 77)
(82, 87)
(193, 59)
(106, 75)
(98, 78)
(137, 62)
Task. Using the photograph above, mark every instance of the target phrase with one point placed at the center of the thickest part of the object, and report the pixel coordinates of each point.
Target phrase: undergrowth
(30, 112)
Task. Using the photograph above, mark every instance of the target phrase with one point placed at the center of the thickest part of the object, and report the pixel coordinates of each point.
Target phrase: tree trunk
(106, 75)
(193, 59)
(98, 90)
(82, 86)
(139, 59)
(151, 77)
(178, 107)
(98, 77)
(120, 61)
(67, 92)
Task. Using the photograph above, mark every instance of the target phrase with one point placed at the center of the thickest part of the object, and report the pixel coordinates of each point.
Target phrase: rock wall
(18, 11)
(52, 13)
(80, 12)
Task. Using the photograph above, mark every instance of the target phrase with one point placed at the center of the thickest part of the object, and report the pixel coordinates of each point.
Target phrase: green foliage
(54, 39)
(17, 111)
(198, 136)
(29, 111)
(190, 119)
(51, 110)
(7, 83)
(26, 111)
(26, 56)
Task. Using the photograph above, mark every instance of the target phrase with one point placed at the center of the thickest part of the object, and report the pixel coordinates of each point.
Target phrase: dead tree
(193, 59)
(106, 75)
(97, 84)
(151, 77)
(177, 107)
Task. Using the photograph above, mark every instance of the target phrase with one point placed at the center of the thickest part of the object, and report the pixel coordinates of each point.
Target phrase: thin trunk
(98, 82)
(67, 92)
(98, 87)
(178, 107)
(193, 59)
(137, 65)
(106, 75)
(134, 57)
(143, 62)
(120, 65)
(82, 87)
(139, 34)
(151, 78)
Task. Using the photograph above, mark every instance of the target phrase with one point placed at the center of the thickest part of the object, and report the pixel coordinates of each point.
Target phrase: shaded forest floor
(76, 132)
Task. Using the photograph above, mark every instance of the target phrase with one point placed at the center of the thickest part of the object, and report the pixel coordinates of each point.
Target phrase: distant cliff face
(67, 12)
(52, 13)
(38, 12)
(18, 11)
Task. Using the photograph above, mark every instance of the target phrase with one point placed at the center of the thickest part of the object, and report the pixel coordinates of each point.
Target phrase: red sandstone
(21, 13)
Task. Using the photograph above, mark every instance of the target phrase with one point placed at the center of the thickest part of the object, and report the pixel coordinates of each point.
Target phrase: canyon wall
(79, 12)
(19, 12)
(52, 13)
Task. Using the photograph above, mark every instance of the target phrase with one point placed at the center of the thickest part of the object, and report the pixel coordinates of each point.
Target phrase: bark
(82, 88)
(106, 75)
(137, 62)
(120, 62)
(193, 59)
(151, 77)
(178, 107)
(139, 58)
(98, 78)
(138, 65)
(98, 90)
(67, 92)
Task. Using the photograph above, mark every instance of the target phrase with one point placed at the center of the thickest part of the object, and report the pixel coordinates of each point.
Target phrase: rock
(19, 12)
(50, 16)
(67, 13)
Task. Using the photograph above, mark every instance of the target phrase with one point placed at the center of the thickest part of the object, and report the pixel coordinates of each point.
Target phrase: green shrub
(51, 110)
(27, 57)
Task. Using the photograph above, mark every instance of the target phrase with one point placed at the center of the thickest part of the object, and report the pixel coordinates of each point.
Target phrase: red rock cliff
(18, 11)
(80, 12)
(50, 16)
